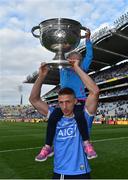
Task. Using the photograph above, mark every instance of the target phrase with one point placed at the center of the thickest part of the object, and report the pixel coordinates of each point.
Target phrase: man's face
(66, 103)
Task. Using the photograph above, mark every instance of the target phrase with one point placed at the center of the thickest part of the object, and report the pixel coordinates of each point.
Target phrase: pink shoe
(44, 154)
(89, 150)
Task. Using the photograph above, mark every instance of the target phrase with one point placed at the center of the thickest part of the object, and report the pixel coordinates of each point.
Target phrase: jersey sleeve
(88, 56)
(50, 110)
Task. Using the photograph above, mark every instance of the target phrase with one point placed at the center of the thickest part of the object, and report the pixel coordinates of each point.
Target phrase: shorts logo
(67, 132)
(82, 167)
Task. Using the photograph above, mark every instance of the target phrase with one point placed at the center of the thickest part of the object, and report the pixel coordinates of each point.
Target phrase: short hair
(66, 91)
(74, 53)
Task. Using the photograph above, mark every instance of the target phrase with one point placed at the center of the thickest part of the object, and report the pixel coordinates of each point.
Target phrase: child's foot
(44, 154)
(89, 150)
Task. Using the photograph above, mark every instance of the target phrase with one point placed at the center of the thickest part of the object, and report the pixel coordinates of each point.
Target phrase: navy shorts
(79, 176)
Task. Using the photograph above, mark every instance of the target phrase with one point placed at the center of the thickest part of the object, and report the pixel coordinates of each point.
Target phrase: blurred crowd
(116, 109)
(113, 72)
(19, 111)
(114, 92)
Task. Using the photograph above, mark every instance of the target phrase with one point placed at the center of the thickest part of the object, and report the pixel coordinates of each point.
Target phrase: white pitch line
(24, 149)
(109, 139)
(20, 135)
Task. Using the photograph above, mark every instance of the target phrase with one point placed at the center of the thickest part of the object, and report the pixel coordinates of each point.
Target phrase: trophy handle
(83, 28)
(33, 29)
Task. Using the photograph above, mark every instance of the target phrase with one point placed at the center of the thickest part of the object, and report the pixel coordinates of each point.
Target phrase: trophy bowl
(59, 35)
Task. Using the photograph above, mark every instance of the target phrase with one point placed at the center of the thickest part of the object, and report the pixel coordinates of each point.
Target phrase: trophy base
(58, 64)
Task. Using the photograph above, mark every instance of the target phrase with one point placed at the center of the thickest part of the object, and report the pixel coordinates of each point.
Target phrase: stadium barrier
(122, 122)
(119, 121)
(32, 120)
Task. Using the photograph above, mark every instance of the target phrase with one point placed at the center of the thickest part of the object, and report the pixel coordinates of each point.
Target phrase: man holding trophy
(69, 78)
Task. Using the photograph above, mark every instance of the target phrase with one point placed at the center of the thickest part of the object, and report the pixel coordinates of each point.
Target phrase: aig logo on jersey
(67, 132)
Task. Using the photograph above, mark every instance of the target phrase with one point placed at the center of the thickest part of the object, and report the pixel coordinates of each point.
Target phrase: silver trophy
(59, 35)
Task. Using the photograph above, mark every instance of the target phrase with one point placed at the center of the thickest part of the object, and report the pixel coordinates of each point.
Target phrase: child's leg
(81, 122)
(51, 128)
(83, 129)
(47, 150)
(89, 150)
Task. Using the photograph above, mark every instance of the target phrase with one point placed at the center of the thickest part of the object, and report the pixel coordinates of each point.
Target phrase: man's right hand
(43, 70)
(35, 96)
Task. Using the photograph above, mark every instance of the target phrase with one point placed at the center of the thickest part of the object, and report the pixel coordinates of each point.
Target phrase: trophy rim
(60, 19)
(58, 64)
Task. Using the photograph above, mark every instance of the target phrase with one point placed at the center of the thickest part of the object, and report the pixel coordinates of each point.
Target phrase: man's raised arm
(35, 98)
(93, 97)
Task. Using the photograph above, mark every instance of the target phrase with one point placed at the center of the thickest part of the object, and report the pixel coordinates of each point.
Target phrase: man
(70, 161)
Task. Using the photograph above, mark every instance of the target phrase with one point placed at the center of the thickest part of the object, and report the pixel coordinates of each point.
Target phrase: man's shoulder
(83, 108)
(52, 109)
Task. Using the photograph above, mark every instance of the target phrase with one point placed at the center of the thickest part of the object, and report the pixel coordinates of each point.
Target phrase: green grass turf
(18, 163)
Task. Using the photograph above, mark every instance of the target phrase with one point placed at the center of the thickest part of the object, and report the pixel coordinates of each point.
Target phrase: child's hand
(74, 62)
(88, 34)
(71, 62)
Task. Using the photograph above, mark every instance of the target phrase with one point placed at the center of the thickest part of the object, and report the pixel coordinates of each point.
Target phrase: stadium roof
(110, 46)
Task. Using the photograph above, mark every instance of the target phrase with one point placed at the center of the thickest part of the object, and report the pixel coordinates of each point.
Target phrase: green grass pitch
(21, 142)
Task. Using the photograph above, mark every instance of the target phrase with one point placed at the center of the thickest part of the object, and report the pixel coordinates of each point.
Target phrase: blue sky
(21, 53)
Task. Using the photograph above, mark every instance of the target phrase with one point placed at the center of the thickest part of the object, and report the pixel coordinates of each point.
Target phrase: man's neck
(69, 116)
